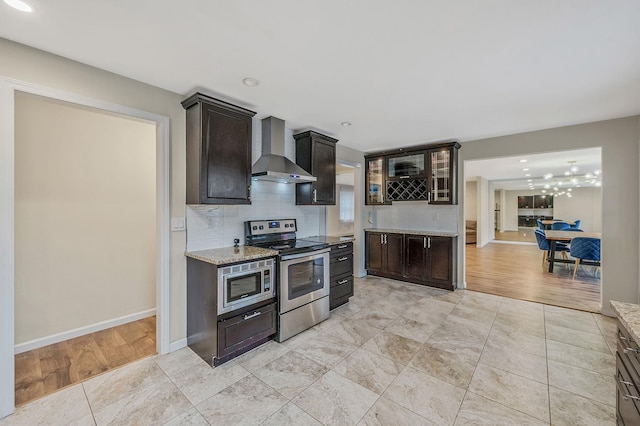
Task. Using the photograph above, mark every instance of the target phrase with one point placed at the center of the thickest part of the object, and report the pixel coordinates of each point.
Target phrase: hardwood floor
(45, 370)
(515, 270)
(524, 235)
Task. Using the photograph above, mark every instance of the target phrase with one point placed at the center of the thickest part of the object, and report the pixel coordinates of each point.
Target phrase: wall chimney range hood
(273, 165)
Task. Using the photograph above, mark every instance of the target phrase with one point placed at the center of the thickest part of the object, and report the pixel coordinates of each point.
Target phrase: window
(346, 205)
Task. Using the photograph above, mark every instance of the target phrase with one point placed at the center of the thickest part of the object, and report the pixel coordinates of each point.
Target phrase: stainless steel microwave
(245, 284)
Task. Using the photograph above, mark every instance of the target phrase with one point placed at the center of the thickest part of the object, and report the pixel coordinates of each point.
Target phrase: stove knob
(286, 225)
(255, 227)
(261, 227)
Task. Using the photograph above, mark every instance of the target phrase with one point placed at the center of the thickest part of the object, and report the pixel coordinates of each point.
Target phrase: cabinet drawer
(341, 265)
(628, 396)
(628, 350)
(342, 287)
(341, 249)
(243, 330)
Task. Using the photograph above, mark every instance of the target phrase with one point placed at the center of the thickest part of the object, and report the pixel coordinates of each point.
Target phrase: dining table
(565, 237)
(548, 222)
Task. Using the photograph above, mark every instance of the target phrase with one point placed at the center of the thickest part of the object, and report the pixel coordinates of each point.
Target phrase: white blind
(346, 205)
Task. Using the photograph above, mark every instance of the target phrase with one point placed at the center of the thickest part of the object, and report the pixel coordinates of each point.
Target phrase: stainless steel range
(303, 274)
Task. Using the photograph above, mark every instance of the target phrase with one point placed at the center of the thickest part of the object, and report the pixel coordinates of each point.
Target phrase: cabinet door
(442, 176)
(324, 169)
(394, 245)
(226, 155)
(375, 259)
(440, 262)
(406, 166)
(415, 259)
(375, 192)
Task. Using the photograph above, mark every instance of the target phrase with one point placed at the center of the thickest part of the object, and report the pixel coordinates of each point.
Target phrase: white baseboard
(66, 335)
(178, 344)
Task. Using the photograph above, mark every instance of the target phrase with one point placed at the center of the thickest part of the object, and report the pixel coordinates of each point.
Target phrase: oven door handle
(307, 255)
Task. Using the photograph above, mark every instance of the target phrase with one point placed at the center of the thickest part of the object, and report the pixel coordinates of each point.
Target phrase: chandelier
(571, 178)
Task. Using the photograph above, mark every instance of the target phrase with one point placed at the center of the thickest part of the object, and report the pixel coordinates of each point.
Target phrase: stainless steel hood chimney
(273, 165)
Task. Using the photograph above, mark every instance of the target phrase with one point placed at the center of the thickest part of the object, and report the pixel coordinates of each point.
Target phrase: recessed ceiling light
(523, 161)
(345, 124)
(527, 175)
(249, 81)
(525, 170)
(529, 180)
(20, 5)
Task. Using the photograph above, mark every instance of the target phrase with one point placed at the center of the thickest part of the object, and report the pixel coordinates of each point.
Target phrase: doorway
(506, 197)
(9, 90)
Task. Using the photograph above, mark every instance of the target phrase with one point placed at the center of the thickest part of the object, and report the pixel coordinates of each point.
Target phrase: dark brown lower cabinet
(385, 254)
(241, 332)
(627, 378)
(420, 259)
(341, 272)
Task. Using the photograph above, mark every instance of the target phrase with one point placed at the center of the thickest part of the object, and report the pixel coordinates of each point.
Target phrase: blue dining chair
(583, 248)
(559, 226)
(573, 230)
(545, 246)
(576, 224)
(540, 225)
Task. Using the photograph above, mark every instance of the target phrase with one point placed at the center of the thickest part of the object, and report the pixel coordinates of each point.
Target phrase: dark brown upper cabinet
(419, 173)
(316, 153)
(218, 151)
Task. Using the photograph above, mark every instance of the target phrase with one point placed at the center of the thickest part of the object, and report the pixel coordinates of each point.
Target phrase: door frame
(8, 88)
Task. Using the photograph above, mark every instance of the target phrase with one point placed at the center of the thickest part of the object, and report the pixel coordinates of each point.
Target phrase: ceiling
(402, 72)
(509, 172)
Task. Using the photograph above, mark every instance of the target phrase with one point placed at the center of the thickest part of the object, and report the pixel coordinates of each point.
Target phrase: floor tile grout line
(180, 390)
(89, 404)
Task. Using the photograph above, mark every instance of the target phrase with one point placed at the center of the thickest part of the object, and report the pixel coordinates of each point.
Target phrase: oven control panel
(262, 227)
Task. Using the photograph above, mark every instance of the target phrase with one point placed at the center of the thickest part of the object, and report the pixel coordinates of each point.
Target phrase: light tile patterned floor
(397, 354)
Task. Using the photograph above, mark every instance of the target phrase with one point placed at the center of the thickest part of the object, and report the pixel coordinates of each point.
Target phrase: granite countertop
(226, 255)
(629, 316)
(326, 239)
(413, 231)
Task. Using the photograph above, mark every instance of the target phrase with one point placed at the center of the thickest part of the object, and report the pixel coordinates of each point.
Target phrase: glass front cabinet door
(375, 181)
(442, 189)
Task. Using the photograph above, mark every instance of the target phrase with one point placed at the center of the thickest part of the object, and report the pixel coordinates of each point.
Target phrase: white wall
(471, 200)
(484, 218)
(510, 210)
(85, 213)
(619, 139)
(585, 204)
(34, 66)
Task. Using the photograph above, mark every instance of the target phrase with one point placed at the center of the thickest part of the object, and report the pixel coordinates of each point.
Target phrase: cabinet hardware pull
(343, 281)
(385, 238)
(424, 242)
(315, 195)
(249, 189)
(623, 393)
(627, 350)
(253, 315)
(340, 259)
(625, 339)
(429, 242)
(405, 177)
(381, 239)
(342, 246)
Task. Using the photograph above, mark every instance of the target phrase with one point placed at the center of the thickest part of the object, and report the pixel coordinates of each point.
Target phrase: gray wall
(619, 140)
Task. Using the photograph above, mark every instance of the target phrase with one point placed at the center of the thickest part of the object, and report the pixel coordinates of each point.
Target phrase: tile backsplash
(214, 226)
(415, 215)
